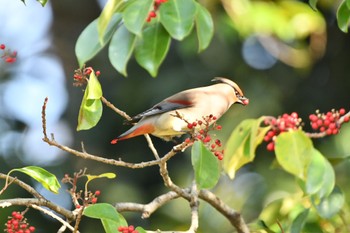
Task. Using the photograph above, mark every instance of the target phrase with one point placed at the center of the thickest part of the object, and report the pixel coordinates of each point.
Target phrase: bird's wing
(169, 104)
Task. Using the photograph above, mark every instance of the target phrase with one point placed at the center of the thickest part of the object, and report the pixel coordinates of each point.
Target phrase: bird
(169, 118)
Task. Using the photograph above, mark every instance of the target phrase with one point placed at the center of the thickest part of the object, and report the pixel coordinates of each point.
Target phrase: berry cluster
(18, 224)
(8, 56)
(81, 76)
(127, 229)
(328, 122)
(80, 198)
(279, 125)
(202, 133)
(152, 14)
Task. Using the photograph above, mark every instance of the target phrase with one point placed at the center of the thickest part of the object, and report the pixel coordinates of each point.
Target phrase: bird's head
(241, 99)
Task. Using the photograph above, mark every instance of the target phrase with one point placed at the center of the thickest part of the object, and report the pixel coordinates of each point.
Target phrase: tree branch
(39, 202)
(234, 217)
(23, 185)
(149, 208)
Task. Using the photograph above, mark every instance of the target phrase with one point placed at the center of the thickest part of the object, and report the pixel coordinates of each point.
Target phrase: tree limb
(234, 217)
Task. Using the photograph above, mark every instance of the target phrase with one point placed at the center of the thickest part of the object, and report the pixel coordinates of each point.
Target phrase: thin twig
(151, 146)
(115, 109)
(23, 185)
(52, 215)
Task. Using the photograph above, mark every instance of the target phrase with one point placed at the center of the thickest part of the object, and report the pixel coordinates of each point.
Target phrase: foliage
(148, 41)
(145, 29)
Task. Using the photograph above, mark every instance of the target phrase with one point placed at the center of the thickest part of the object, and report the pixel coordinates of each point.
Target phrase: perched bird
(163, 119)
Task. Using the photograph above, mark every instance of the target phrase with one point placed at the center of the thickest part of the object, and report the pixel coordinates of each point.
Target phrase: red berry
(187, 140)
(221, 157)
(313, 117)
(335, 131)
(346, 119)
(94, 200)
(218, 142)
(97, 192)
(152, 14)
(329, 131)
(194, 124)
(131, 228)
(2, 46)
(200, 122)
(314, 125)
(189, 126)
(27, 231)
(18, 216)
(294, 115)
(270, 146)
(98, 73)
(218, 127)
(10, 59)
(213, 146)
(214, 118)
(207, 139)
(267, 138)
(342, 111)
(319, 122)
(31, 229)
(332, 125)
(326, 122)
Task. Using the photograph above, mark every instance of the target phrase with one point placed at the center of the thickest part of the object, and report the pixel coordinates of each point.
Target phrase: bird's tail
(134, 131)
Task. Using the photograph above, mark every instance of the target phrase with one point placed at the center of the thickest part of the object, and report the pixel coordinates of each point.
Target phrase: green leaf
(135, 15)
(106, 16)
(108, 215)
(315, 171)
(320, 177)
(294, 152)
(241, 145)
(42, 2)
(178, 17)
(121, 48)
(205, 27)
(108, 175)
(299, 222)
(88, 43)
(90, 110)
(313, 4)
(348, 3)
(343, 16)
(152, 48)
(47, 179)
(330, 205)
(205, 165)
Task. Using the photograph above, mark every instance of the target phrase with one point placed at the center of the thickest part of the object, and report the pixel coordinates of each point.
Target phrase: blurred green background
(306, 71)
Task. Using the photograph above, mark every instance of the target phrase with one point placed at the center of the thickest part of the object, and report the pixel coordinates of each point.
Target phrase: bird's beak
(243, 100)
